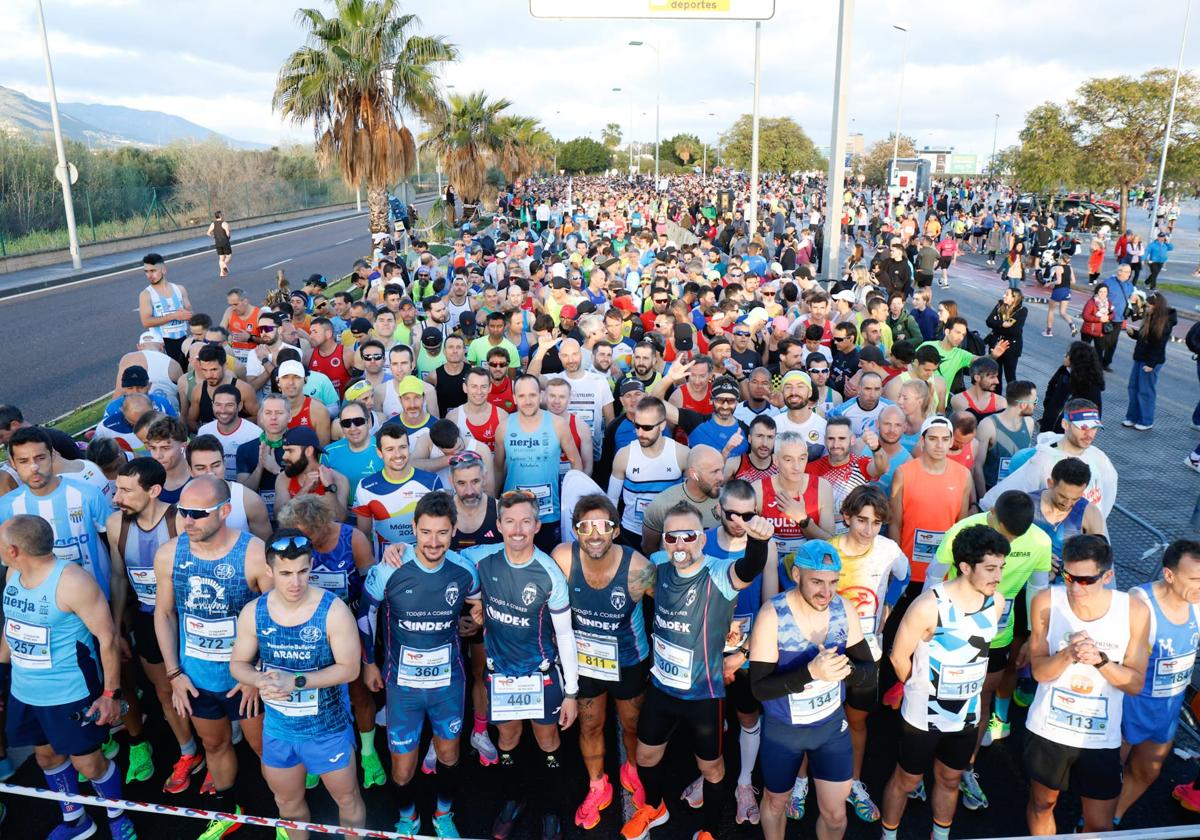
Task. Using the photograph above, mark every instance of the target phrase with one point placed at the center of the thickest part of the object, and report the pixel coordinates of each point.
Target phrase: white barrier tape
(201, 814)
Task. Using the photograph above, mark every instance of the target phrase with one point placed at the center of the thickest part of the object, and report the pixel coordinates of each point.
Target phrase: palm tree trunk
(377, 209)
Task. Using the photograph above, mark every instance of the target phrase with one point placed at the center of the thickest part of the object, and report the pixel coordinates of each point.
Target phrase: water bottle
(85, 717)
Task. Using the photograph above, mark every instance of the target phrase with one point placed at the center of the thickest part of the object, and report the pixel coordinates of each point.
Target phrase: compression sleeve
(750, 565)
(614, 487)
(863, 670)
(896, 589)
(564, 636)
(767, 684)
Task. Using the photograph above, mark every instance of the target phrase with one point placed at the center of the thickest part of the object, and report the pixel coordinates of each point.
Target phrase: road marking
(272, 265)
(344, 241)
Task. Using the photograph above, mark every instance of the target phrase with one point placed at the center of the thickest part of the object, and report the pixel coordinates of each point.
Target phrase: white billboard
(655, 9)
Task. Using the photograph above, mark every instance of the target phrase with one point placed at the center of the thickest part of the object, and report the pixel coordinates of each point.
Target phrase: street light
(657, 98)
(899, 103)
(995, 133)
(704, 167)
(1162, 163)
(618, 90)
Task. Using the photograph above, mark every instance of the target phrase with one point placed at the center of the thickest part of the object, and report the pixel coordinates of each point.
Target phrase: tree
(1048, 157)
(782, 146)
(874, 162)
(611, 135)
(686, 148)
(583, 154)
(470, 136)
(361, 70)
(529, 147)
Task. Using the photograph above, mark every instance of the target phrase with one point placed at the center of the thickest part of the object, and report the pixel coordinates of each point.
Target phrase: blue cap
(817, 556)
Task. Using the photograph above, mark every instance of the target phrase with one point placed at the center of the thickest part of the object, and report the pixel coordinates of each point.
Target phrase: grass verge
(1180, 289)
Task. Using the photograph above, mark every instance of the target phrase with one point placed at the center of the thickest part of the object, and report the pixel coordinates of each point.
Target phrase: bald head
(26, 536)
(203, 492)
(570, 354)
(134, 406)
(706, 468)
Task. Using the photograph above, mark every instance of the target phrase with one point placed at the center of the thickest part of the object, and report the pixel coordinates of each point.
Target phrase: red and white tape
(201, 814)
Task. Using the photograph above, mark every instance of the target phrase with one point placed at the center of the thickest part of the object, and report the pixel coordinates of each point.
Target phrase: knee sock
(225, 801)
(510, 774)
(480, 723)
(64, 779)
(445, 784)
(109, 786)
(367, 739)
(554, 779)
(940, 832)
(652, 783)
(1000, 707)
(748, 742)
(887, 833)
(714, 803)
(406, 800)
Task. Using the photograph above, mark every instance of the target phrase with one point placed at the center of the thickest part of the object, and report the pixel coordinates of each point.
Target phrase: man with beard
(260, 461)
(694, 597)
(330, 356)
(166, 439)
(844, 363)
(305, 412)
(723, 431)
(644, 367)
(591, 396)
(802, 684)
(606, 583)
(1002, 434)
(843, 470)
(247, 512)
(756, 388)
(703, 478)
(980, 398)
(645, 468)
(941, 656)
(758, 461)
(863, 410)
(384, 502)
(798, 415)
(387, 394)
(478, 351)
(228, 426)
(304, 473)
(212, 373)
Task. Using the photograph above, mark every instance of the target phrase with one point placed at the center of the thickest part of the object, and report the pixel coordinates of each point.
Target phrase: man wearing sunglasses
(354, 455)
(606, 584)
(694, 602)
(1088, 649)
(204, 578)
(247, 511)
(645, 468)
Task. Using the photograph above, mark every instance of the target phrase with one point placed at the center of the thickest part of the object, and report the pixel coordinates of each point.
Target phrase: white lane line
(344, 241)
(272, 265)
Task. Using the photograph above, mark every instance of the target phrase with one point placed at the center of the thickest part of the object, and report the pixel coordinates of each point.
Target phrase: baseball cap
(316, 280)
(149, 337)
(358, 390)
(406, 303)
(301, 435)
(410, 385)
(291, 368)
(360, 325)
(846, 295)
(683, 337)
(431, 336)
(1084, 418)
(624, 303)
(568, 311)
(467, 325)
(630, 384)
(871, 353)
(135, 376)
(780, 323)
(560, 283)
(726, 387)
(817, 556)
(936, 420)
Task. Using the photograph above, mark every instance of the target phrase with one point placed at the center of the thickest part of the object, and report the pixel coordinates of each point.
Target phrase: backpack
(1192, 339)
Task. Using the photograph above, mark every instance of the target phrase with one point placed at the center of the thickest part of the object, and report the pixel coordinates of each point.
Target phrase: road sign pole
(63, 171)
(837, 144)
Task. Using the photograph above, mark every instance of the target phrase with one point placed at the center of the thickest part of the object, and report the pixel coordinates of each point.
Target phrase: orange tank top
(931, 504)
(247, 325)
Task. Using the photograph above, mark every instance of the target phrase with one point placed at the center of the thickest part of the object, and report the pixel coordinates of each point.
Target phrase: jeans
(1143, 388)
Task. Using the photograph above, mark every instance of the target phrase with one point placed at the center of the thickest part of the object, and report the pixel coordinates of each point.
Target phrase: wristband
(1104, 660)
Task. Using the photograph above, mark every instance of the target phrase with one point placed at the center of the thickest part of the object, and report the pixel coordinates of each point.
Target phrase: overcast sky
(215, 62)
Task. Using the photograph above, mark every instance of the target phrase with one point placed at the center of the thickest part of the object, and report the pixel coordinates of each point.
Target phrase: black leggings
(1008, 367)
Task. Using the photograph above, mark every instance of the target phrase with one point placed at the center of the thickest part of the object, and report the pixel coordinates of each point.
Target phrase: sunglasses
(743, 515)
(466, 457)
(517, 496)
(298, 541)
(199, 513)
(662, 300)
(267, 328)
(497, 364)
(351, 422)
(647, 427)
(372, 357)
(672, 537)
(741, 333)
(1083, 580)
(818, 371)
(588, 527)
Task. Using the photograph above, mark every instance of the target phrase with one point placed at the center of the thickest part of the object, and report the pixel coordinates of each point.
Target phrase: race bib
(867, 622)
(1172, 675)
(597, 656)
(29, 643)
(517, 698)
(1005, 467)
(545, 502)
(303, 702)
(144, 584)
(1002, 625)
(925, 545)
(815, 703)
(1077, 713)
(209, 639)
(961, 682)
(332, 582)
(424, 668)
(70, 553)
(672, 664)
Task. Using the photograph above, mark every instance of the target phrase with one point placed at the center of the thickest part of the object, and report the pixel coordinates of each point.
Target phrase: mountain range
(104, 126)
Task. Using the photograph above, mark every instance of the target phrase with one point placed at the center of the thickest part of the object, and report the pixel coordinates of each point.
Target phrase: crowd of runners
(616, 444)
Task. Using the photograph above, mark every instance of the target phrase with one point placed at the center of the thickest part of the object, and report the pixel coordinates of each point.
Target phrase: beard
(296, 468)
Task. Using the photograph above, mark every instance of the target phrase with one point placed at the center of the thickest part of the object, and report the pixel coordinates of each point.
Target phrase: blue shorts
(827, 745)
(407, 709)
(34, 726)
(1150, 718)
(319, 755)
(552, 697)
(214, 705)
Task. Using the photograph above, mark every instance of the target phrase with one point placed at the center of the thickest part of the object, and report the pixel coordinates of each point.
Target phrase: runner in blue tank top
(298, 645)
(417, 593)
(341, 558)
(802, 685)
(1150, 717)
(59, 633)
(1061, 510)
(606, 584)
(533, 670)
(205, 577)
(694, 595)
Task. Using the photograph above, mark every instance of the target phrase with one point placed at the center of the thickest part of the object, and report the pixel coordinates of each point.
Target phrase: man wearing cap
(1157, 253)
(722, 431)
(162, 372)
(1080, 423)
(412, 416)
(304, 410)
(135, 380)
(164, 307)
(429, 354)
(304, 473)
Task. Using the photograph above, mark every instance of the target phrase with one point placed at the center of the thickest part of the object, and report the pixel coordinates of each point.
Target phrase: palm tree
(470, 136)
(685, 149)
(529, 147)
(611, 135)
(361, 70)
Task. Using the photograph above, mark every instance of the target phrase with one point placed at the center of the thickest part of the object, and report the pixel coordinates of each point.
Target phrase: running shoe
(864, 806)
(997, 730)
(1189, 462)
(599, 797)
(311, 781)
(1141, 427)
(551, 827)
(181, 774)
(77, 830)
(221, 828)
(1047, 334)
(644, 819)
(208, 786)
(141, 763)
(110, 748)
(973, 796)
(693, 794)
(1188, 797)
(488, 754)
(918, 792)
(443, 825)
(408, 825)
(747, 805)
(510, 812)
(121, 828)
(373, 774)
(632, 783)
(1128, 424)
(1074, 330)
(798, 799)
(429, 763)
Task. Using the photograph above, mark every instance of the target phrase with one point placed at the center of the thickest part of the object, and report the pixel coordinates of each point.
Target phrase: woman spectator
(1149, 354)
(1095, 259)
(1006, 322)
(1060, 295)
(1080, 375)
(1013, 269)
(864, 285)
(856, 259)
(996, 242)
(946, 310)
(1134, 251)
(1099, 320)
